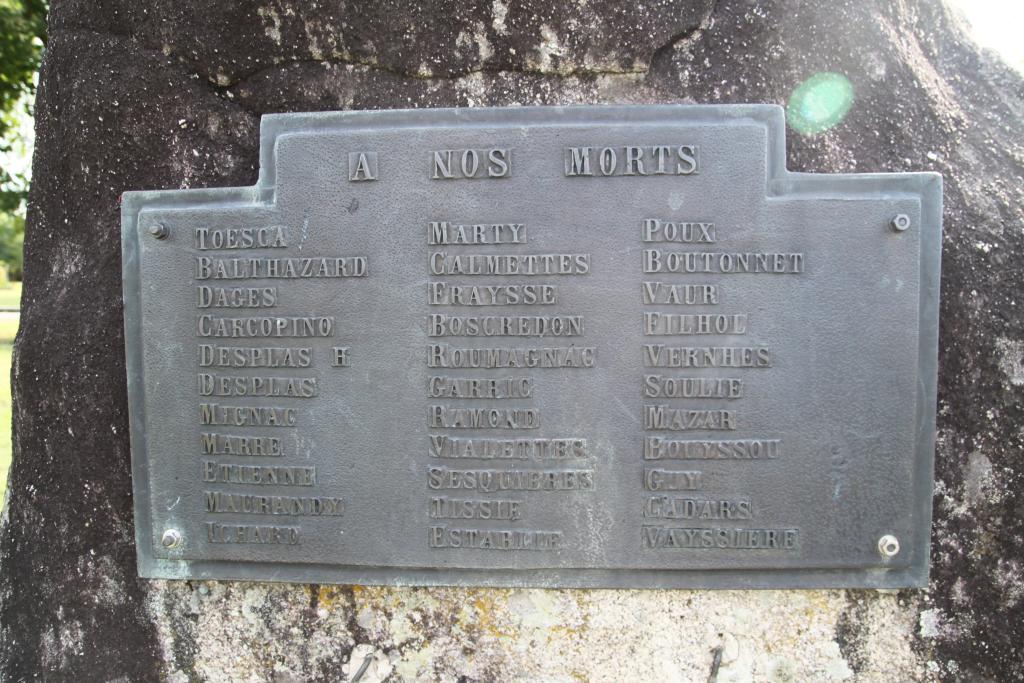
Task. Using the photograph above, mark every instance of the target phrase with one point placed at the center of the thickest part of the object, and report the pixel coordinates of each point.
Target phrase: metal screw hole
(888, 545)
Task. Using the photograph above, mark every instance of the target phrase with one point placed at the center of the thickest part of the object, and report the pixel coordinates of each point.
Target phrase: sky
(995, 25)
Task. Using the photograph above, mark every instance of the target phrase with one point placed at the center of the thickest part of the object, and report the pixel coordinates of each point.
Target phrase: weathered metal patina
(581, 346)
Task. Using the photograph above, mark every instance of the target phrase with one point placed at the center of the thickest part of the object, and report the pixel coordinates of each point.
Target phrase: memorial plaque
(585, 346)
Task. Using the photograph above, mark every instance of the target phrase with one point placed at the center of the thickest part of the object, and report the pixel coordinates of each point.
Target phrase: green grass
(10, 295)
(8, 328)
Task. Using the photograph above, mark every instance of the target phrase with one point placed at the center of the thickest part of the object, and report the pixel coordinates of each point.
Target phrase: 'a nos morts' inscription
(592, 346)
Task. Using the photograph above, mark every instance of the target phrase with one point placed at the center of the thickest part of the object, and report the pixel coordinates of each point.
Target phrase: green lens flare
(819, 103)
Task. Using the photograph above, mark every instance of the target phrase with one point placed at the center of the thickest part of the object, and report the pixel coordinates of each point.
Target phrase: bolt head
(900, 222)
(171, 538)
(888, 545)
(158, 231)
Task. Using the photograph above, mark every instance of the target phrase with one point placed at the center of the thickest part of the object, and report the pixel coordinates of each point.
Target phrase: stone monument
(171, 95)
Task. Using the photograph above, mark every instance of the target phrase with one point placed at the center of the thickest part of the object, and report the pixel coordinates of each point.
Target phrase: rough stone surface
(168, 94)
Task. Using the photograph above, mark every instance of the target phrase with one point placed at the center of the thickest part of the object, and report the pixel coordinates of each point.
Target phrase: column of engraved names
(495, 329)
(257, 374)
(698, 369)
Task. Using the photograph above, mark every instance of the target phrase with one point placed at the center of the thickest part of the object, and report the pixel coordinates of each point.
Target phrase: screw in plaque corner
(159, 231)
(171, 538)
(900, 222)
(888, 546)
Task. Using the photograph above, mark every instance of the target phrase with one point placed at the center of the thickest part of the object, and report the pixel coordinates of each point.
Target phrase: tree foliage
(12, 242)
(22, 37)
(22, 41)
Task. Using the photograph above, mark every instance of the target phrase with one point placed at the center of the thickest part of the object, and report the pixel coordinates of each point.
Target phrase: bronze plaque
(580, 346)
